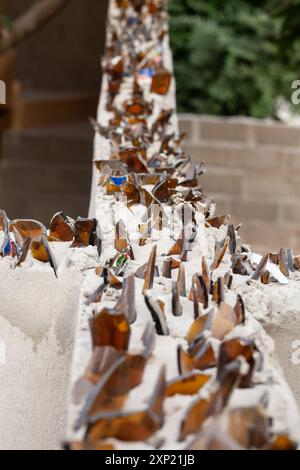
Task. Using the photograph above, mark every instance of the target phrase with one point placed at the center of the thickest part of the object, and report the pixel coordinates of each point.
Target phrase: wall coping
(244, 120)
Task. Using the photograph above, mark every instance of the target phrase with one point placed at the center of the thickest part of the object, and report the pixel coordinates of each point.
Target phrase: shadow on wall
(48, 148)
(253, 173)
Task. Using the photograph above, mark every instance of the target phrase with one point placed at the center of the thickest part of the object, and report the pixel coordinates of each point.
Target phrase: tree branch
(32, 20)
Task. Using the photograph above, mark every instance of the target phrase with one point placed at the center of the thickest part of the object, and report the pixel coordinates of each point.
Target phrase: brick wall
(253, 172)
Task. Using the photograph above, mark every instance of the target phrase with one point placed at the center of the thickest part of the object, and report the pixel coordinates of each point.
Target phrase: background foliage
(235, 57)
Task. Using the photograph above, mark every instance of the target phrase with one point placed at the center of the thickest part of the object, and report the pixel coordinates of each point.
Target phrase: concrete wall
(253, 172)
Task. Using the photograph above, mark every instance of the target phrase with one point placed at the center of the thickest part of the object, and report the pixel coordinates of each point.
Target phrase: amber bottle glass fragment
(84, 229)
(60, 228)
(132, 426)
(161, 81)
(110, 328)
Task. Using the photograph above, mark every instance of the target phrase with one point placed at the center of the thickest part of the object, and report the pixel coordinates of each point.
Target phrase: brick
(223, 203)
(188, 126)
(255, 210)
(272, 160)
(221, 155)
(292, 162)
(276, 135)
(222, 182)
(216, 130)
(238, 156)
(272, 186)
(291, 212)
(295, 242)
(271, 236)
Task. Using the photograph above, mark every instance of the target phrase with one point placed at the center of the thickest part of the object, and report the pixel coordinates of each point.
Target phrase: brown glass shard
(240, 265)
(218, 221)
(249, 427)
(23, 252)
(137, 106)
(283, 264)
(164, 190)
(146, 198)
(273, 258)
(156, 309)
(141, 272)
(266, 277)
(205, 273)
(114, 373)
(132, 194)
(178, 247)
(196, 415)
(188, 384)
(234, 348)
(85, 230)
(40, 248)
(131, 426)
(281, 442)
(121, 241)
(127, 300)
(227, 280)
(161, 81)
(181, 281)
(202, 408)
(101, 362)
(218, 291)
(223, 322)
(145, 231)
(184, 255)
(260, 268)
(131, 158)
(104, 357)
(149, 278)
(109, 393)
(24, 229)
(113, 281)
(61, 228)
(220, 253)
(96, 296)
(110, 327)
(184, 361)
(161, 121)
(148, 178)
(204, 358)
(167, 268)
(198, 293)
(232, 239)
(198, 327)
(289, 257)
(296, 262)
(176, 305)
(213, 437)
(111, 188)
(239, 311)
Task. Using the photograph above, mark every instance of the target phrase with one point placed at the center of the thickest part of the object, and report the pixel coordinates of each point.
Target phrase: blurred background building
(235, 63)
(53, 81)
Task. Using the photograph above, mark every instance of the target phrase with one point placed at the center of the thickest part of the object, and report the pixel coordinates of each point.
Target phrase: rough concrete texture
(36, 344)
(287, 343)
